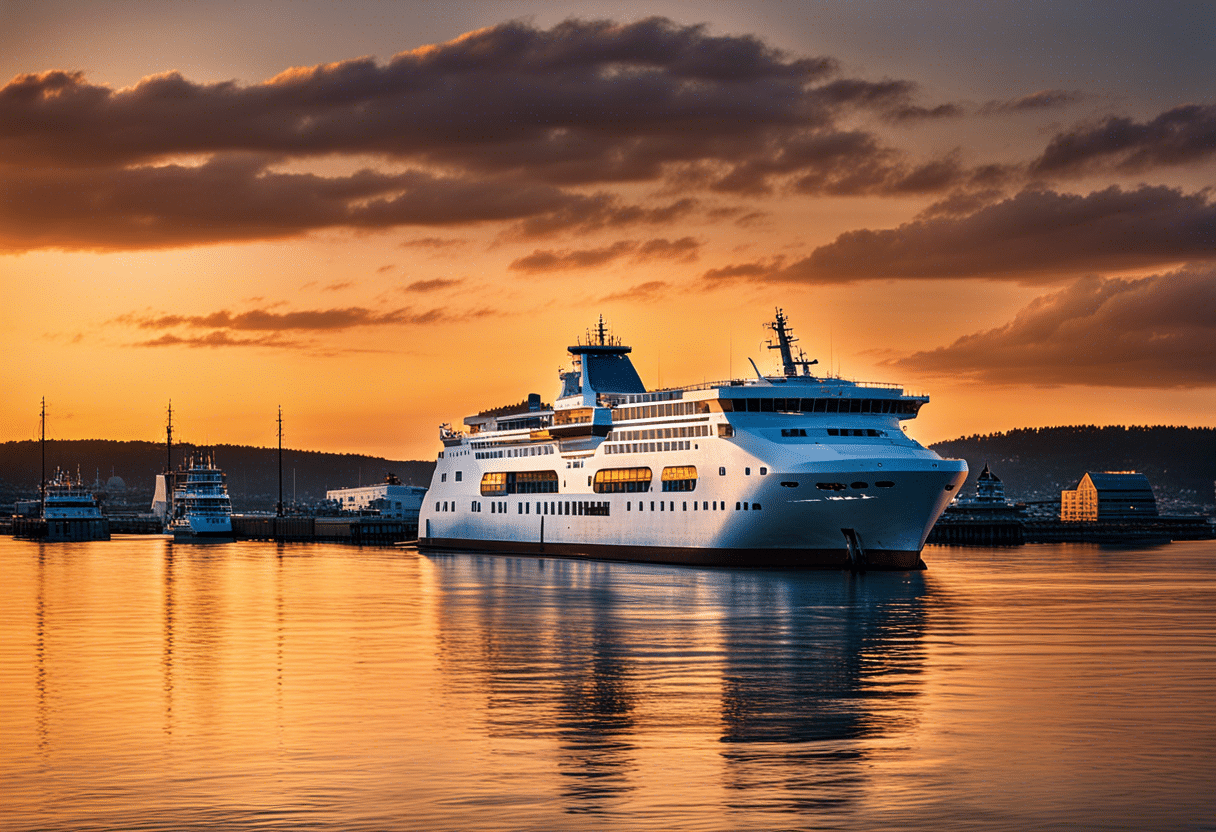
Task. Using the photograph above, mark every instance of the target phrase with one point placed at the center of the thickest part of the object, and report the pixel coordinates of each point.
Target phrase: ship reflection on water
(787, 671)
(153, 685)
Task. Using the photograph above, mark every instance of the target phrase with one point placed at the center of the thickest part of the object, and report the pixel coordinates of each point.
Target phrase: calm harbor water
(148, 685)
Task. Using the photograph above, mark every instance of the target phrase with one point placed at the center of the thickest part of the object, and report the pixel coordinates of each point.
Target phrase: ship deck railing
(674, 393)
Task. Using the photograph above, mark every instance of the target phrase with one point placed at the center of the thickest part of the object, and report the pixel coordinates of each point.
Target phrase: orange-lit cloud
(583, 103)
(1156, 332)
(432, 285)
(649, 290)
(1034, 236)
(684, 250)
(226, 329)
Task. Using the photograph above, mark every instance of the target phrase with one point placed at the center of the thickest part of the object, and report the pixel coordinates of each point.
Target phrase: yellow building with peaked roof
(1108, 495)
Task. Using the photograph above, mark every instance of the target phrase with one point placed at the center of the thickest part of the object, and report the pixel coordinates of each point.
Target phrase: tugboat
(202, 511)
(787, 470)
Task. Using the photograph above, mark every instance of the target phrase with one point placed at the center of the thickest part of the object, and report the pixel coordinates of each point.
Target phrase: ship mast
(785, 342)
(169, 440)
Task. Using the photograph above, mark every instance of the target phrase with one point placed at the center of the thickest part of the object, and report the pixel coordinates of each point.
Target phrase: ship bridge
(601, 365)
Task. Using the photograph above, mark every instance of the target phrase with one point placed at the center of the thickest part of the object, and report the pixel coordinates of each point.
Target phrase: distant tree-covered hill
(253, 473)
(1036, 463)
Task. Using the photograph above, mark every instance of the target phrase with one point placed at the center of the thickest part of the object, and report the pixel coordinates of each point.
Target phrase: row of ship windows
(585, 508)
(834, 404)
(533, 450)
(836, 432)
(658, 433)
(605, 481)
(648, 447)
(580, 508)
(907, 407)
(658, 411)
(839, 486)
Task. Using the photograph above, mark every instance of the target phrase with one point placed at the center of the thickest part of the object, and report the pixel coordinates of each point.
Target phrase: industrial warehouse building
(1108, 496)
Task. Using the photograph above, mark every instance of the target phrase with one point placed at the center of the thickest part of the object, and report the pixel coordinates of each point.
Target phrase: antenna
(785, 342)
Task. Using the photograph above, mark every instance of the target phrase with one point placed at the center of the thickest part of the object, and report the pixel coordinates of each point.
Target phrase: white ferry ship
(202, 510)
(792, 470)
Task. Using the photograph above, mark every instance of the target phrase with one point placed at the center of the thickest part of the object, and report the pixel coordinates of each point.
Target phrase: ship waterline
(791, 470)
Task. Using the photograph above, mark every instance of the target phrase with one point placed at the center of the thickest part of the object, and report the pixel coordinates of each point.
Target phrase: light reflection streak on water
(160, 686)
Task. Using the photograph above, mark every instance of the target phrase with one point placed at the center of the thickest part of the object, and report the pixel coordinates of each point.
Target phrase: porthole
(789, 485)
(885, 484)
(830, 486)
(860, 485)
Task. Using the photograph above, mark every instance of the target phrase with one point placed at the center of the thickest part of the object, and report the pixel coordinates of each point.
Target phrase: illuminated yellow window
(680, 478)
(622, 480)
(494, 484)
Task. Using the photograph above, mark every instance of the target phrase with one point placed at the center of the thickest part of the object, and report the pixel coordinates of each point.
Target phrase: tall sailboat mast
(279, 507)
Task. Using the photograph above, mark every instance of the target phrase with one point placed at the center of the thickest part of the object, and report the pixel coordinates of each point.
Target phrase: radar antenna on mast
(600, 337)
(785, 342)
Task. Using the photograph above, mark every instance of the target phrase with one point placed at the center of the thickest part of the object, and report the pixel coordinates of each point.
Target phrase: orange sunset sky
(384, 216)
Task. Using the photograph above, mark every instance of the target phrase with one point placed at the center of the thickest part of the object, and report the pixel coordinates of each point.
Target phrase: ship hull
(690, 555)
(780, 520)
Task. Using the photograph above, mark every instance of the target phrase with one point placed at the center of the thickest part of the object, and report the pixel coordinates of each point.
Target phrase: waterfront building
(1108, 495)
(387, 499)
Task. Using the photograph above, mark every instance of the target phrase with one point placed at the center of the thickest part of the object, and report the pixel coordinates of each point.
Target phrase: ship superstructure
(784, 470)
(202, 509)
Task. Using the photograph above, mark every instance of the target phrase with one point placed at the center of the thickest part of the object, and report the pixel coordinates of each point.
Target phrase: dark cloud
(579, 104)
(756, 270)
(218, 339)
(268, 321)
(432, 285)
(551, 261)
(585, 101)
(1036, 235)
(1041, 100)
(684, 249)
(598, 212)
(345, 284)
(643, 291)
(1178, 136)
(238, 198)
(1154, 332)
(960, 203)
(433, 242)
(913, 112)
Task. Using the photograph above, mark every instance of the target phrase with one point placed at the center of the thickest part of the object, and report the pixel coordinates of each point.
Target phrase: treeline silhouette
(1036, 463)
(253, 473)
